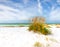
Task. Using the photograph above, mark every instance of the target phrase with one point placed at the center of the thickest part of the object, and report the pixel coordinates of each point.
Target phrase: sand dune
(21, 37)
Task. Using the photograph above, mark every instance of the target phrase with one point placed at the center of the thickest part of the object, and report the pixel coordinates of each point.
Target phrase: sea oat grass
(39, 27)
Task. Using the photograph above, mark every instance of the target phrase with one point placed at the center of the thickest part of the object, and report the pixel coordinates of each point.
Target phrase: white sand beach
(21, 37)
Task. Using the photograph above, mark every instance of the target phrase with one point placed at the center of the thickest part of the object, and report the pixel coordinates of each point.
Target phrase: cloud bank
(9, 14)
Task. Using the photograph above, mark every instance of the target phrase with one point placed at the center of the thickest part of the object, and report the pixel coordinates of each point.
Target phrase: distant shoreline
(19, 24)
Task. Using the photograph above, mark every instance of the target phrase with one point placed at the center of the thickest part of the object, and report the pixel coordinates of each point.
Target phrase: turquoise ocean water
(14, 24)
(18, 24)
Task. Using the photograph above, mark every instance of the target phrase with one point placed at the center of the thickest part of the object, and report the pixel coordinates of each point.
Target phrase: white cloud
(9, 13)
(55, 15)
(39, 6)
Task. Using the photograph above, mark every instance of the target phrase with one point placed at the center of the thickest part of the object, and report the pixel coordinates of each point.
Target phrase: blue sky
(18, 11)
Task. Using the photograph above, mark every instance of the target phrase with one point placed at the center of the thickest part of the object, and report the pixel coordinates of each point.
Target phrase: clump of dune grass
(38, 44)
(38, 25)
